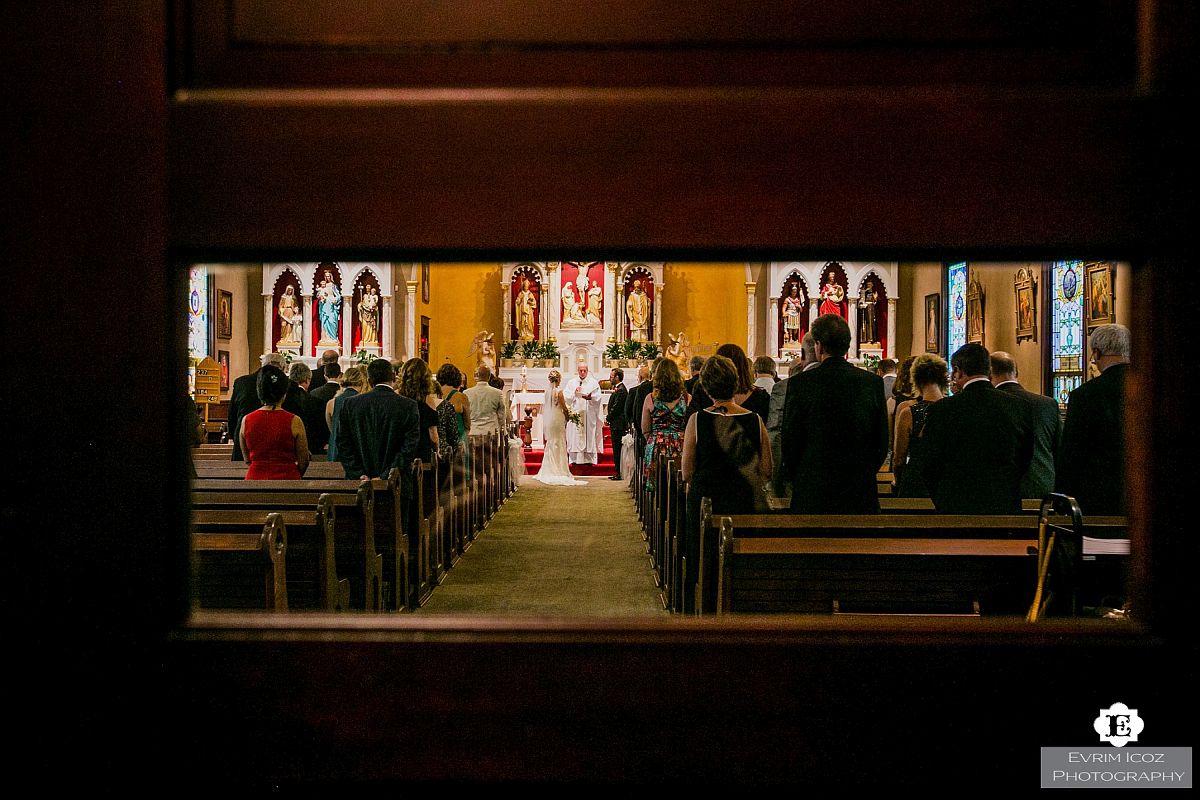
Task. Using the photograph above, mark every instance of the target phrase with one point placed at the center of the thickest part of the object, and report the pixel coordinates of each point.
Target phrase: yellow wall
(244, 282)
(707, 302)
(917, 281)
(463, 300)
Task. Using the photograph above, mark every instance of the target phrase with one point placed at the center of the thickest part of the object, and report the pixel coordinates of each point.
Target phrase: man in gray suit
(1038, 480)
(488, 413)
(806, 359)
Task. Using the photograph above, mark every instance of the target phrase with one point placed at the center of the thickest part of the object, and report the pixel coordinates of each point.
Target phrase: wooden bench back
(240, 565)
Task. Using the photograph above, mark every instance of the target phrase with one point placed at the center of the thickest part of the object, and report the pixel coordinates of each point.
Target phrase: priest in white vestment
(582, 394)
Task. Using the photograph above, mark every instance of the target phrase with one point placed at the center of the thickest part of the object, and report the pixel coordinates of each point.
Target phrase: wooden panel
(709, 172)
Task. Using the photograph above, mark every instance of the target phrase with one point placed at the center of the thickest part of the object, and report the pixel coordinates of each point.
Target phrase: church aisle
(555, 550)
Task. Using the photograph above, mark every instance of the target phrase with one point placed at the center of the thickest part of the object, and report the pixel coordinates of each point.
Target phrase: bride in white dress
(555, 470)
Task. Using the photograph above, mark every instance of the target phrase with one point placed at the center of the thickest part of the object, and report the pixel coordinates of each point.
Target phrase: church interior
(212, 192)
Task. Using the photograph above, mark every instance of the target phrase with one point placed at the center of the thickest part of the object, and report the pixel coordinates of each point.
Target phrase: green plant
(650, 350)
(631, 348)
(870, 362)
(530, 349)
(362, 358)
(613, 351)
(509, 349)
(549, 352)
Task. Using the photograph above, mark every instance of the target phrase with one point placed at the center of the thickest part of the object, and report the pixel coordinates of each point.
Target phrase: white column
(306, 347)
(813, 309)
(555, 300)
(410, 322)
(506, 291)
(268, 324)
(658, 307)
(611, 303)
(544, 314)
(891, 344)
(386, 328)
(852, 311)
(773, 329)
(750, 320)
(347, 327)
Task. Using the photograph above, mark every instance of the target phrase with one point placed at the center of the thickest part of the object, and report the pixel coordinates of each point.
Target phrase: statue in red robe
(833, 297)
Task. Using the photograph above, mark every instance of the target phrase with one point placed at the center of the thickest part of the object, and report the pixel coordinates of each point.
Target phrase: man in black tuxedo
(618, 423)
(311, 412)
(803, 361)
(978, 442)
(318, 378)
(1038, 480)
(634, 403)
(244, 399)
(834, 433)
(378, 430)
(1091, 455)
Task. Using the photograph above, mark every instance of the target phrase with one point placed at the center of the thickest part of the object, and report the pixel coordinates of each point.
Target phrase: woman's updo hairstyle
(555, 377)
(272, 384)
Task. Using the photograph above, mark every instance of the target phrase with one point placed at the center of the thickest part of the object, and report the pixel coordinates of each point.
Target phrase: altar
(520, 402)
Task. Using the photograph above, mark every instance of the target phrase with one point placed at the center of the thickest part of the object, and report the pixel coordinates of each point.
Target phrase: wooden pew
(240, 566)
(348, 506)
(311, 576)
(223, 468)
(924, 505)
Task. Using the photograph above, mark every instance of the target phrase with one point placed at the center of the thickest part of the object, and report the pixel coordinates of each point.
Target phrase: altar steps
(606, 467)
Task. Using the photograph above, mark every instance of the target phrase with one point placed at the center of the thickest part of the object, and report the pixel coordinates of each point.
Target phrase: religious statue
(572, 313)
(585, 440)
(368, 316)
(329, 308)
(679, 351)
(793, 309)
(868, 328)
(595, 298)
(581, 282)
(833, 297)
(291, 319)
(484, 350)
(637, 309)
(526, 311)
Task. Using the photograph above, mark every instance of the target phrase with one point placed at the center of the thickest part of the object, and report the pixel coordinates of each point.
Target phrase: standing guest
(333, 382)
(618, 423)
(1038, 480)
(1091, 456)
(416, 383)
(695, 364)
(319, 374)
(244, 399)
(834, 435)
(803, 361)
(902, 391)
(454, 414)
(766, 373)
(488, 413)
(353, 382)
(635, 401)
(887, 371)
(273, 439)
(977, 444)
(311, 412)
(379, 429)
(664, 413)
(748, 395)
(726, 458)
(932, 380)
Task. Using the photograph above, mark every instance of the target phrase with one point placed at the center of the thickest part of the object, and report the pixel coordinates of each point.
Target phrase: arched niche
(790, 339)
(285, 337)
(327, 309)
(871, 301)
(638, 277)
(366, 311)
(525, 319)
(850, 275)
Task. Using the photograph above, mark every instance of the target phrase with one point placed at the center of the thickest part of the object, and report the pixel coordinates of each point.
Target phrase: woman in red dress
(273, 439)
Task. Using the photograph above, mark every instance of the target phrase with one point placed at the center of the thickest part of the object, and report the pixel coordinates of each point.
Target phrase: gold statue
(637, 309)
(526, 312)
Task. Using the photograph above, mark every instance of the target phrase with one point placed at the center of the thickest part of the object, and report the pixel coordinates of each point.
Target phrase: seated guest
(726, 458)
(1038, 480)
(977, 444)
(663, 417)
(748, 395)
(1091, 456)
(354, 381)
(765, 373)
(273, 440)
(311, 412)
(932, 381)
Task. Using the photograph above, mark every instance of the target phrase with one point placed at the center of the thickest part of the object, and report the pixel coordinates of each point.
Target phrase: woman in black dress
(726, 458)
(747, 395)
(931, 378)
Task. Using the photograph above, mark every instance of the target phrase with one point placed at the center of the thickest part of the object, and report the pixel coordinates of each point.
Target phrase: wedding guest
(695, 364)
(311, 412)
(664, 413)
(726, 457)
(416, 383)
(931, 378)
(748, 395)
(354, 381)
(803, 361)
(244, 399)
(379, 429)
(902, 390)
(766, 373)
(273, 440)
(454, 414)
(1038, 480)
(333, 381)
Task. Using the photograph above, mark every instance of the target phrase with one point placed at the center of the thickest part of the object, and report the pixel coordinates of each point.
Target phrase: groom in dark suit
(1091, 457)
(1038, 480)
(378, 429)
(977, 443)
(618, 423)
(834, 433)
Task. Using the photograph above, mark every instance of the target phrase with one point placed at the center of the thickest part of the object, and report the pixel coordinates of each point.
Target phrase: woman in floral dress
(664, 415)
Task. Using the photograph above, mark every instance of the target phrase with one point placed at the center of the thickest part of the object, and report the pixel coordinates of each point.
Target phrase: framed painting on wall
(1099, 295)
(225, 315)
(425, 282)
(223, 362)
(1024, 284)
(933, 323)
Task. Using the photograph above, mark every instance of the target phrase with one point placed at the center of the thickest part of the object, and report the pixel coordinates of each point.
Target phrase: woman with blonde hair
(664, 414)
(931, 378)
(354, 381)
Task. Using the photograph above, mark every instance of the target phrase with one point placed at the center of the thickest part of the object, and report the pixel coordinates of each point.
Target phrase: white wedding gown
(556, 470)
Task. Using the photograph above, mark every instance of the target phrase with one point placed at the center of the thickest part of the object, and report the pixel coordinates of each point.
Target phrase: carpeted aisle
(555, 550)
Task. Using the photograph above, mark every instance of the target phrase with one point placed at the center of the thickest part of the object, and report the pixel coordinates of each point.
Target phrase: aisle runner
(606, 467)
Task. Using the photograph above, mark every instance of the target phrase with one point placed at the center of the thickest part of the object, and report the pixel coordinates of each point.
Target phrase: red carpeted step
(533, 461)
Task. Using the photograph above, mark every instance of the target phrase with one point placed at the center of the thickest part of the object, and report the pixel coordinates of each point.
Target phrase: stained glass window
(197, 313)
(956, 307)
(1067, 366)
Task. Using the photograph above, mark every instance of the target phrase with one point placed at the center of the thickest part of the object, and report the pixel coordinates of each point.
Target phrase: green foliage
(509, 349)
(870, 362)
(549, 351)
(362, 357)
(530, 349)
(613, 351)
(631, 348)
(650, 350)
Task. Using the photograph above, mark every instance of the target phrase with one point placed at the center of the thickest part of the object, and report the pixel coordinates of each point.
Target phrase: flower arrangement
(362, 357)
(573, 417)
(650, 351)
(870, 362)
